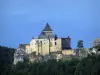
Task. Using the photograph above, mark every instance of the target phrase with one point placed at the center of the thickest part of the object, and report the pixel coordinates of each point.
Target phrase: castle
(47, 42)
(49, 46)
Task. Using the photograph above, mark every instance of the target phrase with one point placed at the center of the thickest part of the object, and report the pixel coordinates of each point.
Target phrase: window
(55, 43)
(41, 42)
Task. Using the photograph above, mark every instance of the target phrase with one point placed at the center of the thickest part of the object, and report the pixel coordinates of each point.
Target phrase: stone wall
(68, 52)
(44, 46)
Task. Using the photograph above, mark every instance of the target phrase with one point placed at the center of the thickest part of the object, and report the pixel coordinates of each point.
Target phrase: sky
(20, 20)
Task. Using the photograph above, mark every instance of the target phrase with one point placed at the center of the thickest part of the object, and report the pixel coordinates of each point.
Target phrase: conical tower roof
(47, 28)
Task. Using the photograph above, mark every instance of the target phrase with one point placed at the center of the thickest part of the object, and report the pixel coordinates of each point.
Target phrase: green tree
(79, 69)
(6, 59)
(80, 44)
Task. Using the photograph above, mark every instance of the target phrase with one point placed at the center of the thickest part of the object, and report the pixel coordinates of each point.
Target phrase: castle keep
(47, 43)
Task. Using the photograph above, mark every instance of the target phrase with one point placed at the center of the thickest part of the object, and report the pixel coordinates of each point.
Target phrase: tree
(56, 37)
(26, 60)
(79, 69)
(80, 44)
(6, 59)
(80, 47)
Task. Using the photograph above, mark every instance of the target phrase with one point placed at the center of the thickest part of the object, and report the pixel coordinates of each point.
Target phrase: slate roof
(47, 28)
(46, 36)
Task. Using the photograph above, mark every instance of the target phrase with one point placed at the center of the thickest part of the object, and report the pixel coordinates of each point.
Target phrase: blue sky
(20, 20)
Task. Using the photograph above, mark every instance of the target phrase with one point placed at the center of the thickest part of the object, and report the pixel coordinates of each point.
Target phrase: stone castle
(48, 42)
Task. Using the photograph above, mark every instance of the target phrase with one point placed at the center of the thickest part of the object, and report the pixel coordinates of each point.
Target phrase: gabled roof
(47, 28)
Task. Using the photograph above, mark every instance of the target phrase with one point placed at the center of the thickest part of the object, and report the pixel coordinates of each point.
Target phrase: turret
(46, 32)
(69, 42)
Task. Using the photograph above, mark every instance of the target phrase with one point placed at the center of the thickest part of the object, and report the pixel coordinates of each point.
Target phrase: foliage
(80, 44)
(56, 37)
(97, 47)
(51, 67)
(87, 66)
(6, 59)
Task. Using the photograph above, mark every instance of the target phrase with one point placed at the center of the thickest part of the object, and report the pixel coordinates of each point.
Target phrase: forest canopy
(87, 66)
